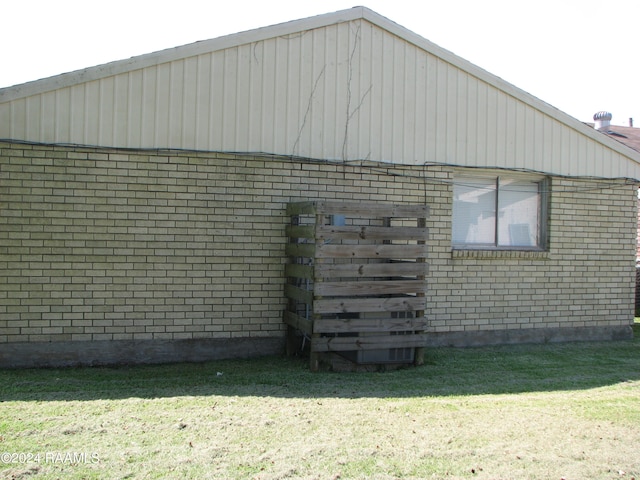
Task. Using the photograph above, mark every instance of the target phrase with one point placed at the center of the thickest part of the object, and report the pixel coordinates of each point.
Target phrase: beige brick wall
(114, 245)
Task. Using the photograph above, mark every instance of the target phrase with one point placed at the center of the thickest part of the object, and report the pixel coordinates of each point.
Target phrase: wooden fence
(356, 280)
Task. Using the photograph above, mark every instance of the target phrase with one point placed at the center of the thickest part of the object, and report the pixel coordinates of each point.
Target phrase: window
(503, 212)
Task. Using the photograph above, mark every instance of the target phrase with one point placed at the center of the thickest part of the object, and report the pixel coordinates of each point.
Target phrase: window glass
(518, 213)
(496, 212)
(474, 211)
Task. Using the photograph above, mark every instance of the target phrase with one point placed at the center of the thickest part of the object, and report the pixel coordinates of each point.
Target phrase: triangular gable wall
(345, 86)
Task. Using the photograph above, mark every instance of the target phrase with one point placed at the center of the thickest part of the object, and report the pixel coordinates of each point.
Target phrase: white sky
(580, 56)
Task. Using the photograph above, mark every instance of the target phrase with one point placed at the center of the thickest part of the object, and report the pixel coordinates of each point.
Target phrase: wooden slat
(368, 342)
(299, 271)
(301, 231)
(361, 270)
(296, 321)
(299, 294)
(364, 209)
(357, 325)
(300, 249)
(353, 305)
(301, 208)
(357, 209)
(379, 287)
(371, 251)
(326, 232)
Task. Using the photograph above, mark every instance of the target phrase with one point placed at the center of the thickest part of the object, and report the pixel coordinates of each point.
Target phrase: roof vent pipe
(603, 120)
(630, 121)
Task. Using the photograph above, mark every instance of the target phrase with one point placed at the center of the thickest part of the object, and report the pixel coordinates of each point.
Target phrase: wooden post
(314, 357)
(419, 352)
(291, 304)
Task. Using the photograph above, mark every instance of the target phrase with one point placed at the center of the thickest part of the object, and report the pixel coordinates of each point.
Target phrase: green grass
(536, 412)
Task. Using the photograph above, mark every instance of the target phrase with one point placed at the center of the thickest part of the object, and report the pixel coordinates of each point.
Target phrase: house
(144, 203)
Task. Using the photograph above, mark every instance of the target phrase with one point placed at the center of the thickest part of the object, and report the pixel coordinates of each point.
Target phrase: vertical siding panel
(317, 112)
(255, 98)
(397, 147)
(243, 115)
(293, 96)
(267, 95)
(33, 116)
(176, 101)
(329, 95)
(91, 118)
(468, 111)
(564, 149)
(363, 145)
(216, 108)
(489, 130)
(107, 104)
(580, 151)
(538, 137)
(407, 154)
(78, 121)
(520, 130)
(62, 119)
(511, 133)
(584, 154)
(529, 137)
(386, 153)
(149, 106)
(431, 109)
(558, 155)
(9, 123)
(162, 104)
(483, 115)
(354, 90)
(229, 92)
(361, 108)
(547, 143)
(203, 100)
(47, 116)
(278, 127)
(420, 100)
(121, 124)
(340, 81)
(190, 115)
(451, 114)
(440, 115)
(574, 156)
(307, 101)
(378, 92)
(343, 86)
(134, 114)
(591, 157)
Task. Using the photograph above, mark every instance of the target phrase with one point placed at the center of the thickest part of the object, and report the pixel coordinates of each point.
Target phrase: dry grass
(536, 412)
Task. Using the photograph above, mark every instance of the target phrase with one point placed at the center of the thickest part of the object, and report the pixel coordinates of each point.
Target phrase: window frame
(544, 198)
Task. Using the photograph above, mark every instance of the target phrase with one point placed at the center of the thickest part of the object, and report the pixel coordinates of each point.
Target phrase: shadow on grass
(447, 372)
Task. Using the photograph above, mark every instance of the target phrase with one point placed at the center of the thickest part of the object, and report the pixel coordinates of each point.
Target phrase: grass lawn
(526, 412)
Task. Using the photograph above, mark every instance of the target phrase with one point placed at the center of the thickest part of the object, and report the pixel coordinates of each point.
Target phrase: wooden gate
(356, 280)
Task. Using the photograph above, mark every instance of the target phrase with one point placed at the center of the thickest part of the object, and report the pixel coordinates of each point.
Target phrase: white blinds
(474, 211)
(496, 211)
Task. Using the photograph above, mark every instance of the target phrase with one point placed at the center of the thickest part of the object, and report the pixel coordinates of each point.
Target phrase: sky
(580, 56)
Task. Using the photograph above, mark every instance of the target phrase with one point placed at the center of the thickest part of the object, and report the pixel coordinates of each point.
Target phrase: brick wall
(584, 283)
(106, 247)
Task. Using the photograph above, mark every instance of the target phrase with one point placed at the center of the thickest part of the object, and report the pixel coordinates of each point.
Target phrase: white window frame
(500, 181)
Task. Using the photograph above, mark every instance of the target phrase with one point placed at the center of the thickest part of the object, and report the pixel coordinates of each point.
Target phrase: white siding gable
(346, 86)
